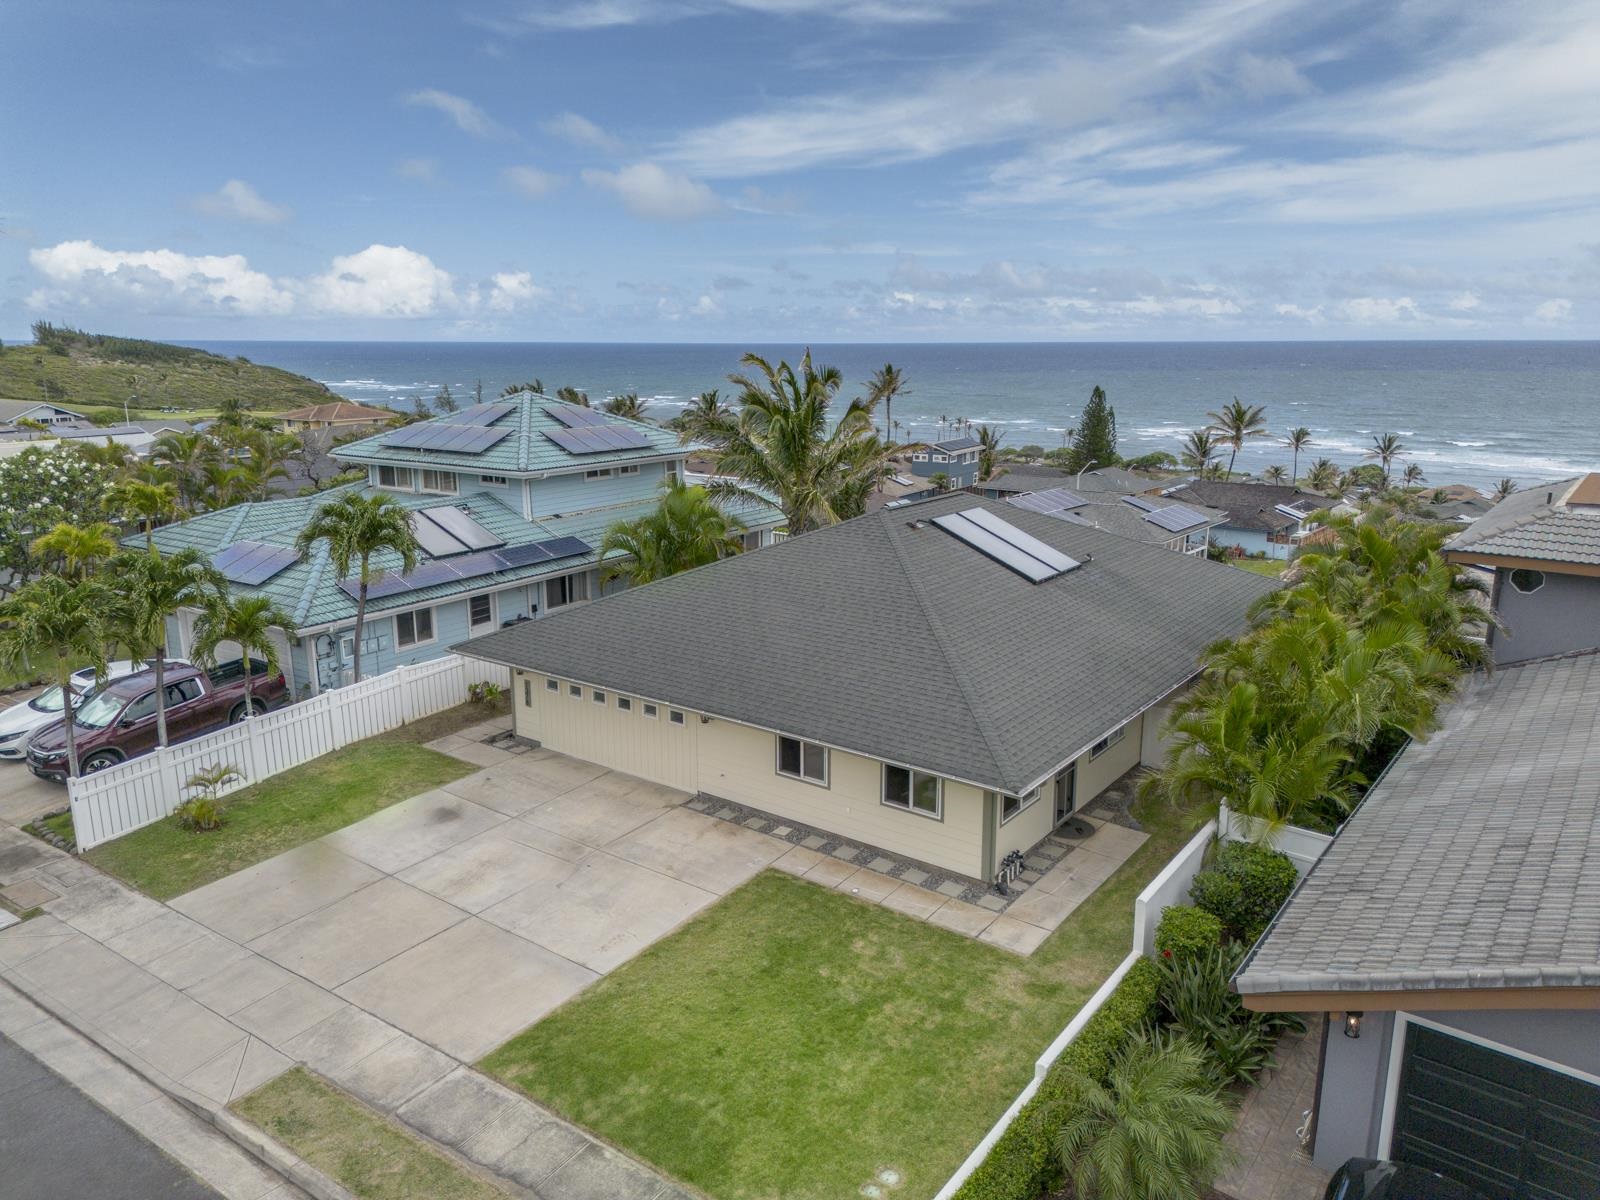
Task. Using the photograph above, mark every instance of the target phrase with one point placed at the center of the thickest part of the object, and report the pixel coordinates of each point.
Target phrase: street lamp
(1079, 481)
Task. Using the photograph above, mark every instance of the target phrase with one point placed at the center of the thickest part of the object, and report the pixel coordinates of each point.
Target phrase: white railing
(146, 789)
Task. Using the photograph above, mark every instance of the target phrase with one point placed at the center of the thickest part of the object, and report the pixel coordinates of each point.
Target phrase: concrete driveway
(467, 913)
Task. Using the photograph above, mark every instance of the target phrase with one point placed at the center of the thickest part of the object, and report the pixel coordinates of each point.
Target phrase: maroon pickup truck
(119, 721)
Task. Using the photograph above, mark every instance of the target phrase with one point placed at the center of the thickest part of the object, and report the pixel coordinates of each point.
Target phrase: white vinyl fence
(143, 790)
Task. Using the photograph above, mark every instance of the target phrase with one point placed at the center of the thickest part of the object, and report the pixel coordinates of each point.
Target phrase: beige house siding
(650, 747)
(1154, 743)
(1095, 775)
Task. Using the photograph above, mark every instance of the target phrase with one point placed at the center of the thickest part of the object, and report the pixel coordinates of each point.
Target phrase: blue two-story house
(956, 458)
(509, 500)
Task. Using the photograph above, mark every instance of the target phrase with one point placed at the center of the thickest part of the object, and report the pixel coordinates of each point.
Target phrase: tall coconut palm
(1323, 476)
(627, 405)
(1200, 450)
(1505, 488)
(1151, 1130)
(568, 394)
(1412, 476)
(268, 457)
(1386, 447)
(706, 409)
(185, 455)
(1296, 440)
(61, 624)
(1235, 423)
(247, 621)
(781, 447)
(1275, 474)
(152, 588)
(220, 484)
(78, 548)
(147, 502)
(357, 527)
(989, 439)
(887, 382)
(686, 529)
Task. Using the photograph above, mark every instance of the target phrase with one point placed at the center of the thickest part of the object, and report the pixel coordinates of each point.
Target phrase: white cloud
(1260, 77)
(1377, 310)
(651, 191)
(379, 281)
(530, 181)
(422, 170)
(1311, 316)
(609, 14)
(581, 131)
(238, 200)
(1553, 311)
(468, 117)
(1465, 301)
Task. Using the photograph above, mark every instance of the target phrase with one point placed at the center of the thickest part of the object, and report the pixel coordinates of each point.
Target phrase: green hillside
(94, 371)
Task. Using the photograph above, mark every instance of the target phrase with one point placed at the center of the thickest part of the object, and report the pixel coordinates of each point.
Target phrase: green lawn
(792, 1041)
(287, 810)
(1262, 566)
(343, 1138)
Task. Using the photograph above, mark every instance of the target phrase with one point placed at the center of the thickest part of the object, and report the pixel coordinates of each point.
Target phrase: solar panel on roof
(445, 436)
(435, 540)
(409, 435)
(1051, 500)
(253, 563)
(575, 416)
(565, 547)
(1289, 510)
(1141, 502)
(480, 414)
(1026, 542)
(470, 566)
(1175, 518)
(1001, 551)
(522, 556)
(462, 527)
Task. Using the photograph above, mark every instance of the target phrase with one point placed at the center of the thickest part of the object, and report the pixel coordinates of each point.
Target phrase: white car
(18, 723)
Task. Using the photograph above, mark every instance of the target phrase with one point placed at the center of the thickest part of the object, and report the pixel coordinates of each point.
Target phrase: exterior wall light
(1352, 1024)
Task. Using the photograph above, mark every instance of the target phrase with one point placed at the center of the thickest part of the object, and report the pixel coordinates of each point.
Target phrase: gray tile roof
(818, 636)
(1474, 863)
(527, 449)
(1540, 522)
(1249, 505)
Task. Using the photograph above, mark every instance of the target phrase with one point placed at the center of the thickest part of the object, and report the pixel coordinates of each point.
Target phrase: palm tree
(704, 410)
(152, 588)
(220, 485)
(53, 619)
(628, 405)
(269, 455)
(148, 502)
(1296, 440)
(989, 439)
(1412, 476)
(780, 446)
(1235, 423)
(1153, 1130)
(886, 383)
(247, 621)
(77, 547)
(686, 529)
(940, 481)
(356, 527)
(571, 395)
(1386, 447)
(1323, 476)
(1275, 474)
(533, 385)
(1505, 488)
(1200, 450)
(184, 454)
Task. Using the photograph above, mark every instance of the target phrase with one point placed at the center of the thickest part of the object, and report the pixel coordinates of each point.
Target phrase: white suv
(18, 723)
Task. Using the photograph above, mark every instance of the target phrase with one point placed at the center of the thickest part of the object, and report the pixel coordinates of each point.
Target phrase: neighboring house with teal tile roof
(511, 501)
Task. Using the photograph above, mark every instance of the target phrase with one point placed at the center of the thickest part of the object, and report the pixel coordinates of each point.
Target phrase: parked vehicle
(1373, 1179)
(19, 722)
(119, 721)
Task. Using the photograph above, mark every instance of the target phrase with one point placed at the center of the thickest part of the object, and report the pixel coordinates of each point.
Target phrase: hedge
(1244, 887)
(1185, 930)
(1022, 1163)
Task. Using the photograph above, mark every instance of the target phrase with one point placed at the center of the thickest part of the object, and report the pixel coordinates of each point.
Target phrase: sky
(782, 170)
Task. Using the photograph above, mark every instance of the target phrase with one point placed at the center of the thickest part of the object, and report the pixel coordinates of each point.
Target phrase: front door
(1066, 793)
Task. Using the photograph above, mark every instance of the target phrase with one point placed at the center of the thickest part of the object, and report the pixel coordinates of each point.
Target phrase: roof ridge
(936, 628)
(322, 555)
(238, 520)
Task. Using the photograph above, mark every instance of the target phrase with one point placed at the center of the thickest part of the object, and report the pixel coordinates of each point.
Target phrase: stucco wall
(1561, 616)
(650, 747)
(1095, 775)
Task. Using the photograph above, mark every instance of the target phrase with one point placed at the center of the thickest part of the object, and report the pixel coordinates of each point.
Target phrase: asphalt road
(57, 1144)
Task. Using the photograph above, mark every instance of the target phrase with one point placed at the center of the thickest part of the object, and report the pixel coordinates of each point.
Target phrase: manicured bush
(1198, 1002)
(1185, 931)
(1023, 1162)
(1244, 887)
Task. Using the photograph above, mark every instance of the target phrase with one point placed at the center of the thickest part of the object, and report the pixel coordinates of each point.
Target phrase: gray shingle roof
(1249, 505)
(1544, 522)
(819, 636)
(1113, 514)
(1475, 862)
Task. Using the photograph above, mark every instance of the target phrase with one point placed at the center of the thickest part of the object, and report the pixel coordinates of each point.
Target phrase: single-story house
(1155, 519)
(1452, 933)
(947, 682)
(1263, 518)
(1543, 545)
(956, 458)
(340, 414)
(1028, 477)
(510, 502)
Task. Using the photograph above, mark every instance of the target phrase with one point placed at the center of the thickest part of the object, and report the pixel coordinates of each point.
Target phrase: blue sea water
(1470, 412)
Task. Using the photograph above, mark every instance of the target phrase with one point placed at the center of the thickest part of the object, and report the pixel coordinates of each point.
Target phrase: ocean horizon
(1452, 403)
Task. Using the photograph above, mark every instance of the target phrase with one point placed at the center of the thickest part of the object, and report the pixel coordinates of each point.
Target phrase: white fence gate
(143, 790)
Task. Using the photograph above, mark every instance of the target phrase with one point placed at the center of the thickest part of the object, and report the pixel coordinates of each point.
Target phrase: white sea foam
(1472, 444)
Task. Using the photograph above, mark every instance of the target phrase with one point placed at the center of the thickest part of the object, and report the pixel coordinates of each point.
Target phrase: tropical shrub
(484, 693)
(1151, 1129)
(202, 813)
(1023, 1161)
(1185, 930)
(1197, 1001)
(1244, 887)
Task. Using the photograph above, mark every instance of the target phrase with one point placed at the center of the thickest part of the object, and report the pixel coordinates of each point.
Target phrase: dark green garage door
(1499, 1124)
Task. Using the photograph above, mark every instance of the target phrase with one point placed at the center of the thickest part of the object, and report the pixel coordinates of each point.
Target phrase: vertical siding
(573, 493)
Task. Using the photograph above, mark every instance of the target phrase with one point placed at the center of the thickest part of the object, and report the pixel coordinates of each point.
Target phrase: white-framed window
(919, 458)
(624, 704)
(527, 693)
(574, 692)
(1105, 743)
(650, 710)
(1010, 806)
(493, 480)
(552, 685)
(752, 540)
(1526, 580)
(803, 760)
(672, 474)
(566, 590)
(675, 716)
(480, 612)
(598, 696)
(395, 477)
(941, 458)
(414, 628)
(440, 481)
(913, 791)
(347, 647)
(599, 473)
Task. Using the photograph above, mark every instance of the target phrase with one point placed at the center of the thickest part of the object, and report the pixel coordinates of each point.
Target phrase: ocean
(1467, 412)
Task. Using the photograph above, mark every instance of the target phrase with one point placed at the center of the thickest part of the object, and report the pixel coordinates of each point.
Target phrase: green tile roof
(527, 449)
(309, 590)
